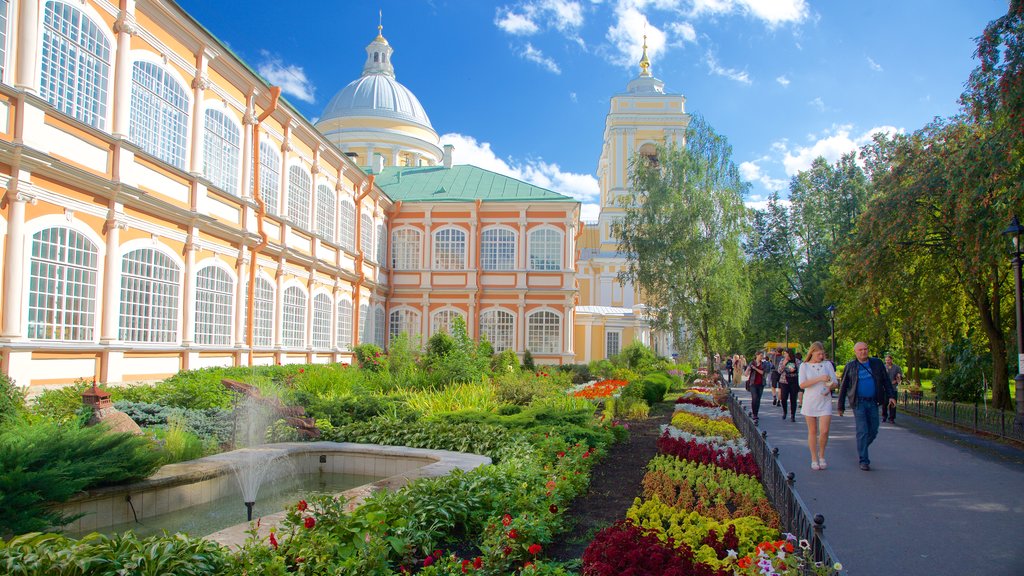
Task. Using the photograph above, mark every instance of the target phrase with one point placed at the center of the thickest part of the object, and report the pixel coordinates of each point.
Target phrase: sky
(523, 87)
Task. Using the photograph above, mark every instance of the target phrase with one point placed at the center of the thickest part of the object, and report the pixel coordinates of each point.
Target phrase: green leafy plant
(61, 405)
(179, 443)
(961, 380)
(12, 400)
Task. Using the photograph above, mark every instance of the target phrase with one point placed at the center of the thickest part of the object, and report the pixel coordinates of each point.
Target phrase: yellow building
(610, 314)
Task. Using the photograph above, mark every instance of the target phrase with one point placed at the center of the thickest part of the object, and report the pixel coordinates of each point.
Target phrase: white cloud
(771, 12)
(530, 17)
(874, 65)
(783, 81)
(582, 187)
(515, 24)
(731, 73)
(818, 104)
(751, 172)
(832, 144)
(573, 97)
(291, 78)
(627, 37)
(763, 203)
(534, 55)
(683, 30)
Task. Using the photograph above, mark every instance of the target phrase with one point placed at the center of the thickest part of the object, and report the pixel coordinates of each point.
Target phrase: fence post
(819, 528)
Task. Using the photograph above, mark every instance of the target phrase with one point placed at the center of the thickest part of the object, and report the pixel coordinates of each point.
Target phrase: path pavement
(933, 504)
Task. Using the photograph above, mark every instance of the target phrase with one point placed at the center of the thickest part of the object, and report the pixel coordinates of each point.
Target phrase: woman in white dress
(817, 380)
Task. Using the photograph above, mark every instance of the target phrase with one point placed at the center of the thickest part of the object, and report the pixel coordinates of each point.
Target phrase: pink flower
(428, 561)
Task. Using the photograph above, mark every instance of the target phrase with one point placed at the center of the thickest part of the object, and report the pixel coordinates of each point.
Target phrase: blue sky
(523, 87)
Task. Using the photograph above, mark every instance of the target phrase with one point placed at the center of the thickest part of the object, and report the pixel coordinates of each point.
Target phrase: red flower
(534, 549)
(428, 561)
(465, 566)
(478, 562)
(553, 509)
(302, 506)
(300, 560)
(506, 550)
(561, 454)
(273, 540)
(438, 553)
(527, 565)
(513, 534)
(506, 520)
(309, 522)
(302, 370)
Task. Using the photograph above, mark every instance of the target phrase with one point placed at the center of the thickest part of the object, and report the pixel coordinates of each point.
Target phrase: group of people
(866, 385)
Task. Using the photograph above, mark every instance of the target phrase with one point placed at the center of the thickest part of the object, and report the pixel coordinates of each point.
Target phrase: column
(199, 86)
(188, 333)
(279, 303)
(110, 331)
(521, 327)
(27, 67)
(242, 296)
(309, 313)
(14, 260)
(125, 27)
(248, 124)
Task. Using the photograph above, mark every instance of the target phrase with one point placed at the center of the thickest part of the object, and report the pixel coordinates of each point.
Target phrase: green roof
(462, 183)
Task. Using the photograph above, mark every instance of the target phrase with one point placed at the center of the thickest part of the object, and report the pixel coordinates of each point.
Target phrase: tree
(681, 234)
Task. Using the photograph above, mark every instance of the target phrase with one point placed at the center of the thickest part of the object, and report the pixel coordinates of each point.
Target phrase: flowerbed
(602, 389)
(702, 509)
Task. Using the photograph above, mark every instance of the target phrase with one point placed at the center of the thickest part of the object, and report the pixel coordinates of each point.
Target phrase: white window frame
(404, 319)
(544, 332)
(5, 35)
(294, 303)
(222, 137)
(325, 211)
(365, 324)
(83, 56)
(366, 235)
(264, 301)
(406, 244)
(444, 319)
(545, 254)
(499, 251)
(382, 244)
(163, 130)
(270, 178)
(379, 326)
(150, 302)
(344, 324)
(321, 329)
(299, 200)
(347, 225)
(608, 346)
(450, 249)
(215, 306)
(499, 325)
(55, 311)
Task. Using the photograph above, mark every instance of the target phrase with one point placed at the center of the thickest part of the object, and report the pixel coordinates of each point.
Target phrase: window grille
(150, 289)
(498, 249)
(543, 333)
(293, 331)
(75, 63)
(62, 286)
(159, 114)
(214, 306)
(449, 249)
(499, 327)
(221, 147)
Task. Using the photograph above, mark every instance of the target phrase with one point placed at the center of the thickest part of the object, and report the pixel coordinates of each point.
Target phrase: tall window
(325, 212)
(293, 329)
(379, 326)
(404, 320)
(75, 63)
(449, 249)
(347, 225)
(321, 321)
(150, 288)
(498, 249)
(366, 233)
(543, 333)
(62, 286)
(365, 325)
(270, 177)
(612, 344)
(405, 249)
(545, 249)
(263, 310)
(4, 35)
(499, 327)
(159, 114)
(344, 324)
(382, 245)
(443, 321)
(214, 306)
(221, 151)
(299, 185)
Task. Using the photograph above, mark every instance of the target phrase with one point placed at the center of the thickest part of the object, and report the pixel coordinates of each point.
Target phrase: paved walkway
(933, 504)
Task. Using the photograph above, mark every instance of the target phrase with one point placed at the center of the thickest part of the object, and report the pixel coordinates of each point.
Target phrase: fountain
(255, 463)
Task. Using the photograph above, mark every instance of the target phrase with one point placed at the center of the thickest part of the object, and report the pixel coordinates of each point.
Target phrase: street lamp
(832, 329)
(787, 335)
(1014, 231)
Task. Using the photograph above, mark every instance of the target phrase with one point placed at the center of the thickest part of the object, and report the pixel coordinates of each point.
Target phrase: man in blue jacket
(866, 385)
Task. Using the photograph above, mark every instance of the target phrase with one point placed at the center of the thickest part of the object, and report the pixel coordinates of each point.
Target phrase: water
(228, 511)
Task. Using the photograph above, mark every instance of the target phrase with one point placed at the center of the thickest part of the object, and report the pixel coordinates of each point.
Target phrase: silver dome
(377, 95)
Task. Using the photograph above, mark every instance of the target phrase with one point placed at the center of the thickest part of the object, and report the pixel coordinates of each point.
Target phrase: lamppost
(832, 329)
(787, 335)
(1014, 231)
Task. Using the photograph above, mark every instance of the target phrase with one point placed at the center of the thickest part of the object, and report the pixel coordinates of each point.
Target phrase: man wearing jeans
(866, 385)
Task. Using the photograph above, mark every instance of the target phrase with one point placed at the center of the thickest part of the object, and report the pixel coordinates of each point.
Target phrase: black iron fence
(973, 416)
(779, 486)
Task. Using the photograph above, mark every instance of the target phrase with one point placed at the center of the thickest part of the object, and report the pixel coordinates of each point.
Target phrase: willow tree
(681, 235)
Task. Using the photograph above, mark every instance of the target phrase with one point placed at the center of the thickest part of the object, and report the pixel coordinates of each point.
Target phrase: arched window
(404, 320)
(270, 177)
(366, 233)
(405, 249)
(221, 151)
(150, 288)
(159, 114)
(498, 249)
(382, 245)
(293, 332)
(545, 250)
(263, 310)
(214, 306)
(344, 324)
(443, 321)
(365, 325)
(321, 321)
(62, 286)
(299, 190)
(325, 212)
(5, 20)
(543, 333)
(347, 225)
(379, 326)
(449, 249)
(75, 64)
(499, 328)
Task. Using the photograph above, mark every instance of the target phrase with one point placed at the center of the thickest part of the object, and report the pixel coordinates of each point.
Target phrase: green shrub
(639, 358)
(44, 462)
(579, 373)
(454, 358)
(494, 441)
(209, 423)
(626, 408)
(341, 410)
(505, 362)
(61, 405)
(602, 369)
(528, 363)
(12, 400)
(180, 444)
(962, 379)
(521, 388)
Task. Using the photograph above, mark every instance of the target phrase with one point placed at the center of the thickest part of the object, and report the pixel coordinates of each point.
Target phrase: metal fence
(779, 485)
(972, 416)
